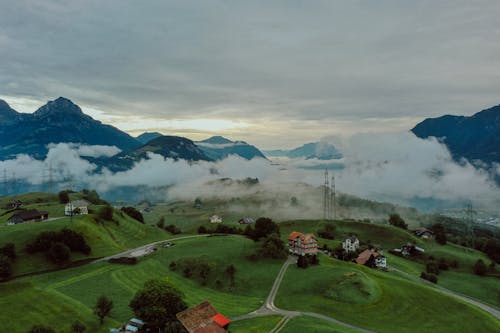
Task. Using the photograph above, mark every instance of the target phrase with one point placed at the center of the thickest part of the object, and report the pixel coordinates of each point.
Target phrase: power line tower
(326, 197)
(5, 184)
(333, 198)
(469, 225)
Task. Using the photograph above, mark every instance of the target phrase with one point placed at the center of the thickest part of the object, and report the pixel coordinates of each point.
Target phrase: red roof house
(203, 318)
(302, 244)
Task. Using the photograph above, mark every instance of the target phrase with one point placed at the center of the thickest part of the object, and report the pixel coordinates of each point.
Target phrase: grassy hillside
(76, 290)
(377, 300)
(255, 325)
(105, 237)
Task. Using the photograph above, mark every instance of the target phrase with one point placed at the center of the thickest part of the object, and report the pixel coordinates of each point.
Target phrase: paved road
(146, 247)
(445, 291)
(268, 308)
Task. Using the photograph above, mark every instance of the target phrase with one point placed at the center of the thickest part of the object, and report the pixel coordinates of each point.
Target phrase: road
(269, 309)
(448, 292)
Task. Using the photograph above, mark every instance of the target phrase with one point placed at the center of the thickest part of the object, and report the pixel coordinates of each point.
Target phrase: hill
(148, 136)
(474, 138)
(319, 150)
(57, 121)
(218, 148)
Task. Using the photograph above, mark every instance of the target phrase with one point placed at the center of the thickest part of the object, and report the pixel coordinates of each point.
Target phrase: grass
(410, 306)
(255, 325)
(76, 290)
(314, 325)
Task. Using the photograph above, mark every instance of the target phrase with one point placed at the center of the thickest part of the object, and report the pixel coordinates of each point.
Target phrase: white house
(215, 219)
(381, 261)
(77, 207)
(350, 244)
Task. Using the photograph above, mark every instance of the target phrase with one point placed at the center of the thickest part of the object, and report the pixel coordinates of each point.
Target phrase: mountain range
(320, 150)
(475, 138)
(218, 148)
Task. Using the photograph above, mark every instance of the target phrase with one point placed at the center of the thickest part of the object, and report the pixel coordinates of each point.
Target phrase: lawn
(77, 289)
(255, 325)
(392, 301)
(314, 325)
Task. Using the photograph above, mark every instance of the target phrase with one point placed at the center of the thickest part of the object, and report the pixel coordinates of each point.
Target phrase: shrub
(172, 228)
(5, 268)
(263, 227)
(9, 250)
(63, 197)
(202, 230)
(173, 266)
(397, 221)
(480, 267)
(432, 268)
(133, 213)
(272, 247)
(327, 232)
(161, 223)
(59, 253)
(106, 213)
(429, 277)
(72, 239)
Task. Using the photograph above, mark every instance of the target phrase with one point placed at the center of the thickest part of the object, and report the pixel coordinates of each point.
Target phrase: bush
(173, 229)
(429, 277)
(106, 213)
(63, 197)
(161, 223)
(272, 247)
(480, 268)
(263, 227)
(327, 232)
(397, 221)
(59, 253)
(72, 239)
(443, 265)
(432, 268)
(203, 230)
(9, 250)
(133, 213)
(5, 268)
(77, 327)
(173, 266)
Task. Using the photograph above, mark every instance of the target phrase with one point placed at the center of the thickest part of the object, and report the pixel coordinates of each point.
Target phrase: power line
(326, 197)
(333, 197)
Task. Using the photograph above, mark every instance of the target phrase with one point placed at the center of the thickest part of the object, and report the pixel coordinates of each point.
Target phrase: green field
(389, 301)
(314, 325)
(255, 325)
(75, 291)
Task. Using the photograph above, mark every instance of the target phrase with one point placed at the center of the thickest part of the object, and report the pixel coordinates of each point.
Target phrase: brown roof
(365, 256)
(294, 235)
(198, 319)
(30, 214)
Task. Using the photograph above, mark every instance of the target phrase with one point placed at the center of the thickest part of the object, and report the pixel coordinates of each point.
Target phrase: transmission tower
(333, 198)
(5, 184)
(326, 197)
(469, 225)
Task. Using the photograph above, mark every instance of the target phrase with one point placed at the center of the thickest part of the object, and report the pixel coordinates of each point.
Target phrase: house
(372, 259)
(215, 219)
(77, 207)
(203, 318)
(409, 249)
(423, 233)
(16, 204)
(301, 244)
(31, 215)
(246, 220)
(350, 244)
(133, 326)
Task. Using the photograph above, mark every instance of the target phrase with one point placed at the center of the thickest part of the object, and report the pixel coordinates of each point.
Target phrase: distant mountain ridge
(148, 136)
(218, 148)
(319, 150)
(57, 121)
(475, 138)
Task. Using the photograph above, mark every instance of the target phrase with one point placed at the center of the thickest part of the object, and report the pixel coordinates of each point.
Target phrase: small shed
(246, 220)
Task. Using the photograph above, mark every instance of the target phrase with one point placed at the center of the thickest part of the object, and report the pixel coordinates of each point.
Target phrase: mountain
(174, 147)
(319, 150)
(148, 136)
(476, 138)
(57, 121)
(218, 147)
(7, 114)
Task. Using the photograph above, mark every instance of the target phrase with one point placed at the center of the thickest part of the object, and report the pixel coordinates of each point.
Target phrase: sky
(274, 73)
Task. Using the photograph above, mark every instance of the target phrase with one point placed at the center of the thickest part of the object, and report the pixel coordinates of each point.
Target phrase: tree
(133, 213)
(63, 197)
(272, 247)
(103, 307)
(9, 250)
(157, 303)
(439, 233)
(161, 223)
(77, 327)
(106, 213)
(5, 268)
(264, 227)
(59, 252)
(41, 329)
(231, 273)
(302, 262)
(397, 221)
(480, 267)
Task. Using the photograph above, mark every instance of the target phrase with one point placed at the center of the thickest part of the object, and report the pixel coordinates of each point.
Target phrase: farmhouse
(301, 244)
(350, 244)
(78, 207)
(133, 326)
(203, 318)
(409, 249)
(246, 220)
(371, 259)
(423, 233)
(215, 219)
(32, 215)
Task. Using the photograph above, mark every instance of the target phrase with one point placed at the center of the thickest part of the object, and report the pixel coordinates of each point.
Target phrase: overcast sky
(274, 73)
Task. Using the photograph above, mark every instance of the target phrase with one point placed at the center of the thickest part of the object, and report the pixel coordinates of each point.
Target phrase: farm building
(32, 215)
(409, 249)
(371, 259)
(423, 233)
(246, 220)
(350, 244)
(203, 318)
(133, 326)
(301, 244)
(78, 207)
(215, 219)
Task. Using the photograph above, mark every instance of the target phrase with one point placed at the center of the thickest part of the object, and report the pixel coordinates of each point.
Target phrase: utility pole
(333, 203)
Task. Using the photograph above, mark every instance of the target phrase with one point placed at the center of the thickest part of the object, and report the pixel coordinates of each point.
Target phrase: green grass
(410, 306)
(314, 325)
(78, 288)
(255, 325)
